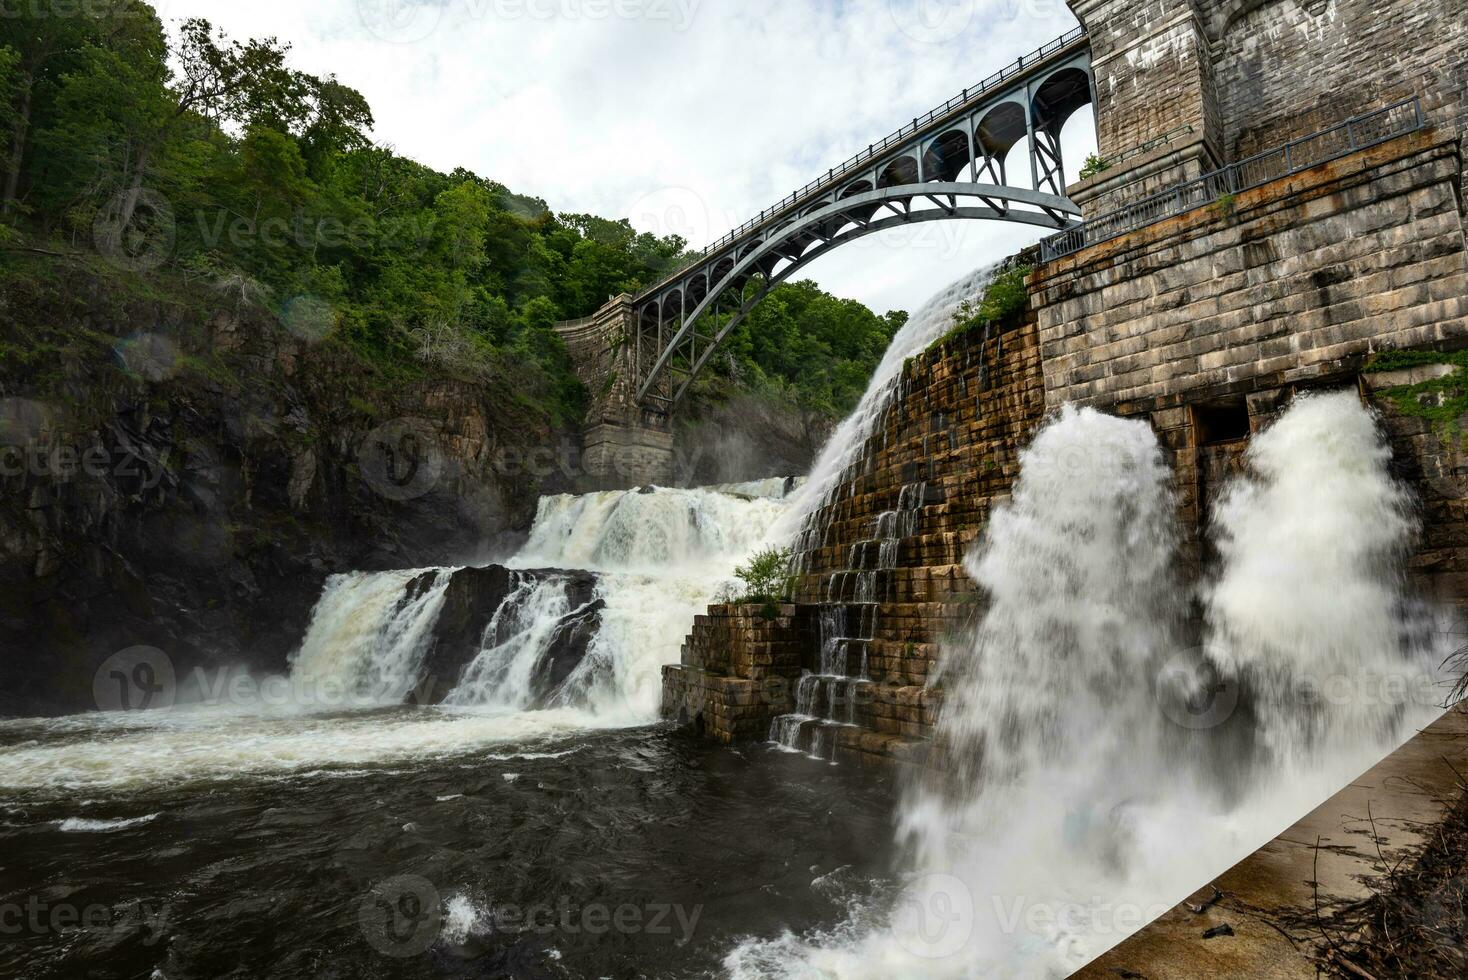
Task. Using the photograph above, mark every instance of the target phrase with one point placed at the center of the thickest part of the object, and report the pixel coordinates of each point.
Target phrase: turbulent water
(1112, 736)
(257, 825)
(659, 557)
(1106, 753)
(429, 867)
(365, 640)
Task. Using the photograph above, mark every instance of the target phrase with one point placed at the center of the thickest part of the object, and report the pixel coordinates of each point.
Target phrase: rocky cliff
(182, 467)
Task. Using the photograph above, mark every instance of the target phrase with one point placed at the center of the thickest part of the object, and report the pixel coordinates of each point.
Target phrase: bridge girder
(958, 153)
(1054, 212)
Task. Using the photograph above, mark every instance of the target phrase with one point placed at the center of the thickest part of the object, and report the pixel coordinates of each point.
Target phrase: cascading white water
(367, 638)
(646, 532)
(1311, 604)
(827, 701)
(514, 645)
(1093, 775)
(660, 555)
(848, 447)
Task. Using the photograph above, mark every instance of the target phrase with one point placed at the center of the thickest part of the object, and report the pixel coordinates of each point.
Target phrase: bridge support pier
(1156, 107)
(623, 445)
(622, 456)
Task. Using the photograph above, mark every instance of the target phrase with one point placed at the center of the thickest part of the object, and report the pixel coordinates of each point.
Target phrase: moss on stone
(1003, 303)
(1443, 401)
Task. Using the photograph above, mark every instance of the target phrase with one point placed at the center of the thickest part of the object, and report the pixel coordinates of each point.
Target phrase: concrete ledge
(1270, 897)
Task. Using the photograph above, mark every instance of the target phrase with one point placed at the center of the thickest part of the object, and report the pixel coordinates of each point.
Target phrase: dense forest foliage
(180, 152)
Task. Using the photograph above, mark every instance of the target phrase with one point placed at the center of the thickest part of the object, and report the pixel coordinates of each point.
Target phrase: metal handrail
(839, 174)
(583, 321)
(1355, 134)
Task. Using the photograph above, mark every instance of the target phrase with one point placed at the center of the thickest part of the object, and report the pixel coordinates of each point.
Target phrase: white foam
(82, 825)
(1087, 793)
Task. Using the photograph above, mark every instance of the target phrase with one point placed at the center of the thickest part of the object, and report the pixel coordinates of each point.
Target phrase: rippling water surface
(601, 854)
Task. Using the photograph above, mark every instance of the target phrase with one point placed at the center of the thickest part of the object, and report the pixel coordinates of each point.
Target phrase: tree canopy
(214, 158)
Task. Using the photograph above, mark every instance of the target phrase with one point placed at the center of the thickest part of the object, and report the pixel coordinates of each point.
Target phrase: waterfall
(829, 701)
(849, 448)
(647, 532)
(1101, 752)
(367, 637)
(1052, 738)
(516, 645)
(1310, 612)
(659, 556)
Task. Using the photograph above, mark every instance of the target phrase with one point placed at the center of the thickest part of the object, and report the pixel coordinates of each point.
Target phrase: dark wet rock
(475, 595)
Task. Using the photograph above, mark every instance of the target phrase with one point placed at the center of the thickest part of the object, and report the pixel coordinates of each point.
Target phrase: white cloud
(616, 107)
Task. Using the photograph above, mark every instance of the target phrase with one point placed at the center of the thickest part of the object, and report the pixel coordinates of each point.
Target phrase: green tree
(46, 48)
(766, 576)
(281, 200)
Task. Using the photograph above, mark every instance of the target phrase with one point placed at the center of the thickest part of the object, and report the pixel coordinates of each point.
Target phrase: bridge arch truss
(951, 164)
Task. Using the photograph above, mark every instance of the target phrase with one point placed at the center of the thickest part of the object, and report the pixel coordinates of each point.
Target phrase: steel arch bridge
(946, 165)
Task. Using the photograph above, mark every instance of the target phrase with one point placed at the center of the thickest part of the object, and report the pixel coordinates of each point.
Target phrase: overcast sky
(685, 116)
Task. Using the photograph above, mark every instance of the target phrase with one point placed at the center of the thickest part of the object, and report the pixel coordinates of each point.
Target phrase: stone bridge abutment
(623, 444)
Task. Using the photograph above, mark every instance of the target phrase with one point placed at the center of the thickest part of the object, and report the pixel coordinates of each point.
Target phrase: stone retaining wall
(1294, 282)
(1230, 78)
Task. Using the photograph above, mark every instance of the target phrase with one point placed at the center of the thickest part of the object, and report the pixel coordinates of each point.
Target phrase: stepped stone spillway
(941, 456)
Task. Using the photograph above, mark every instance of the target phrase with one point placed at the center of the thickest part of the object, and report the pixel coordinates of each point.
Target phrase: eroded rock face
(473, 598)
(192, 479)
(746, 438)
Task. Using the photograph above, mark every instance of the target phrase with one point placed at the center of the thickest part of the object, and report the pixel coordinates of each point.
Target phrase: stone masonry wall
(965, 410)
(1154, 78)
(623, 446)
(1244, 76)
(736, 670)
(1153, 71)
(1286, 68)
(1298, 281)
(1208, 323)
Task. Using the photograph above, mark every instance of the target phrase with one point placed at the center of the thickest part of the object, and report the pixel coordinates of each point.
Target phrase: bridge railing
(841, 173)
(564, 326)
(1357, 133)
